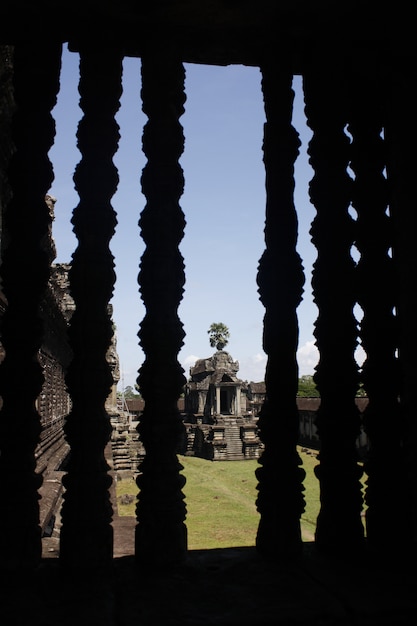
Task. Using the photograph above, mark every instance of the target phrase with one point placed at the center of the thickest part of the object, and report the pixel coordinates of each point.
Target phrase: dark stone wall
(6, 110)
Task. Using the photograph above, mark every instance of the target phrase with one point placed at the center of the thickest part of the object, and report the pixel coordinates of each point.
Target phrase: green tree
(129, 393)
(219, 335)
(307, 387)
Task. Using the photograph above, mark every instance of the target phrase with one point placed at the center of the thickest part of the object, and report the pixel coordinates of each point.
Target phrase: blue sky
(223, 203)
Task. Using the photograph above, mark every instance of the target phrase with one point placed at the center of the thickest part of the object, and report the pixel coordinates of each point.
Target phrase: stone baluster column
(280, 279)
(400, 133)
(336, 375)
(387, 493)
(24, 276)
(161, 536)
(87, 534)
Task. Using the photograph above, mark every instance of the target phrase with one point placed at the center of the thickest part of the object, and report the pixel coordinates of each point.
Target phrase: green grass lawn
(220, 498)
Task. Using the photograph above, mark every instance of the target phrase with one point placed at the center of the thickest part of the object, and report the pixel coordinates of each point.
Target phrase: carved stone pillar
(24, 274)
(238, 407)
(400, 135)
(87, 534)
(339, 522)
(217, 410)
(161, 536)
(386, 493)
(280, 279)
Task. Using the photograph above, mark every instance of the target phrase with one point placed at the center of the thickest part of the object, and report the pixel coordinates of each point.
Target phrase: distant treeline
(307, 388)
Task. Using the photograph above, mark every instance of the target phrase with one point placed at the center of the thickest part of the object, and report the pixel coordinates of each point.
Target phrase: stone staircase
(126, 447)
(234, 442)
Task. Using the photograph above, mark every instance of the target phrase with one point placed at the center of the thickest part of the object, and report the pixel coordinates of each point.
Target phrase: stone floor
(226, 587)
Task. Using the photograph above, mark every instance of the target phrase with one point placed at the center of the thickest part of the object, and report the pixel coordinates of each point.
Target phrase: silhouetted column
(339, 522)
(400, 134)
(280, 279)
(161, 536)
(24, 274)
(87, 534)
(386, 492)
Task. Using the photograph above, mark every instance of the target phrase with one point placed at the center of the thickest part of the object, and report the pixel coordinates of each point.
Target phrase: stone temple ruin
(219, 423)
(219, 412)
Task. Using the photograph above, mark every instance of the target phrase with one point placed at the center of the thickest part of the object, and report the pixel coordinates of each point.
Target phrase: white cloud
(188, 362)
(307, 357)
(360, 355)
(253, 368)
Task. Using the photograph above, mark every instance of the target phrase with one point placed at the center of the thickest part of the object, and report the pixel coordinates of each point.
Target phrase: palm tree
(219, 335)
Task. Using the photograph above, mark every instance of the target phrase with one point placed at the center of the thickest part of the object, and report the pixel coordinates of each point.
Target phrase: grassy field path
(220, 498)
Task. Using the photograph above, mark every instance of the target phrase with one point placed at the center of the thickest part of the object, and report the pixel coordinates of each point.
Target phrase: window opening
(224, 207)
